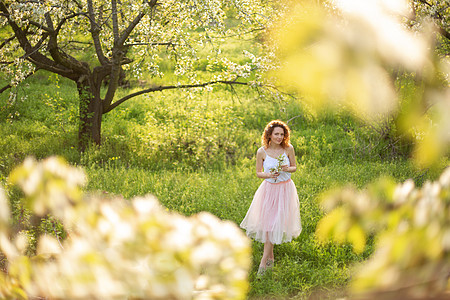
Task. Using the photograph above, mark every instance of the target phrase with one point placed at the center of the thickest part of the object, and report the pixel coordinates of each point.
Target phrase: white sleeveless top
(271, 162)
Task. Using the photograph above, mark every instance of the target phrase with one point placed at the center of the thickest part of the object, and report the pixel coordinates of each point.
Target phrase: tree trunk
(90, 117)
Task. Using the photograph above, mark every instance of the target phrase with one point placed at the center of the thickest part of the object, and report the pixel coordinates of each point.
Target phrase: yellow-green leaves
(344, 222)
(412, 249)
(4, 210)
(339, 227)
(10, 288)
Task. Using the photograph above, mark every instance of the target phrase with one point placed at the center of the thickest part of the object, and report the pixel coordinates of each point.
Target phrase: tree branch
(57, 54)
(170, 87)
(241, 33)
(95, 33)
(425, 2)
(115, 21)
(113, 79)
(151, 44)
(5, 88)
(117, 54)
(78, 4)
(126, 33)
(34, 50)
(41, 61)
(444, 32)
(39, 25)
(10, 86)
(64, 20)
(7, 41)
(245, 13)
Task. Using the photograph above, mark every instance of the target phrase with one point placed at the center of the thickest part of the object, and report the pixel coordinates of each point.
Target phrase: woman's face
(277, 135)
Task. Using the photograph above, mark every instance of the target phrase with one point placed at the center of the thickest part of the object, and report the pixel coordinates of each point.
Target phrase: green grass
(302, 266)
(197, 154)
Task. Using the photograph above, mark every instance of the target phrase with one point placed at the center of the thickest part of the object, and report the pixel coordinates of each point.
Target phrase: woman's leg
(268, 253)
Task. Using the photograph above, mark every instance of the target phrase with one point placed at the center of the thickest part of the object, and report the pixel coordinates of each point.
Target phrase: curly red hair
(265, 139)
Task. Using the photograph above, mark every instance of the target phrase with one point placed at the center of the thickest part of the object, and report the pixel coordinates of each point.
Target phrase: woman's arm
(260, 155)
(293, 165)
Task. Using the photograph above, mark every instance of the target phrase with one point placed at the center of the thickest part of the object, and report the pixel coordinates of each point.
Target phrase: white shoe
(260, 272)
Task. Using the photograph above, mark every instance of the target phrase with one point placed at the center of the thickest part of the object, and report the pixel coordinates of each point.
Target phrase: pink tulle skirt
(274, 214)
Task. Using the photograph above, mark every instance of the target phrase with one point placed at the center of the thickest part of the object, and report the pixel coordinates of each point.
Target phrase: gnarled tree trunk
(91, 111)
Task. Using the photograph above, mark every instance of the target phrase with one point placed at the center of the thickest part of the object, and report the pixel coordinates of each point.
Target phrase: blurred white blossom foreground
(117, 249)
(412, 237)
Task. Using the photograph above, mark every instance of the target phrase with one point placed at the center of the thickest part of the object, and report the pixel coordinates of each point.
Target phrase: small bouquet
(278, 168)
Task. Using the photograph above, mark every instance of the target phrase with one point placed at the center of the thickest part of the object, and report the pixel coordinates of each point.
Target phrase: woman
(274, 216)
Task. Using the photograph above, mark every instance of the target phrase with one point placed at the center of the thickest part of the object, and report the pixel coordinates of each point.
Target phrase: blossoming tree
(437, 11)
(94, 42)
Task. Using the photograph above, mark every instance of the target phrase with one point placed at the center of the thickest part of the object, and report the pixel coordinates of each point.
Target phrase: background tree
(438, 12)
(94, 42)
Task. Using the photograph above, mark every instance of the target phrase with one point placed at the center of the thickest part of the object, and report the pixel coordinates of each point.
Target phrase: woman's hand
(285, 168)
(273, 175)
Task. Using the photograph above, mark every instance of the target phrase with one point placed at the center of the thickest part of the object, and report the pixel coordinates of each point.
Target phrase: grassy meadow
(196, 152)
